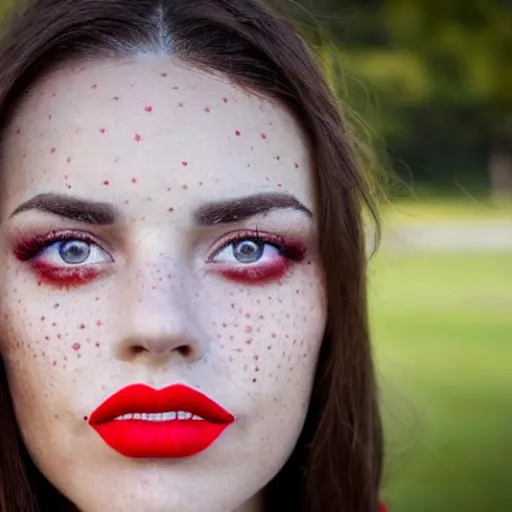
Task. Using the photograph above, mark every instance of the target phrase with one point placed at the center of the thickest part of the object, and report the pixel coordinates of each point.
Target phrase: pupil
(75, 251)
(248, 251)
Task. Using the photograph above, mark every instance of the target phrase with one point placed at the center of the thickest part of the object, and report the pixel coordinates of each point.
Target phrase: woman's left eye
(246, 251)
(74, 252)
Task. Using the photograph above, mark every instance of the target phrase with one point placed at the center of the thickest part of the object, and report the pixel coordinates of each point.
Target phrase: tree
(440, 74)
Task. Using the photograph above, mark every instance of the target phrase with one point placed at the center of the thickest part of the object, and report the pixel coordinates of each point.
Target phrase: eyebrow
(240, 209)
(103, 214)
(81, 210)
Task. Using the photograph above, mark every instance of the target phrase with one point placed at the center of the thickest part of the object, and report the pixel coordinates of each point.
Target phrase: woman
(183, 308)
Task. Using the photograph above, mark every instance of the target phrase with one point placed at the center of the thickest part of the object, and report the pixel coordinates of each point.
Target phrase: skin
(157, 139)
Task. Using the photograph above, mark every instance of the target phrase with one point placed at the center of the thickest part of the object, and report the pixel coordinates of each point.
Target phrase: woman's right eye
(73, 252)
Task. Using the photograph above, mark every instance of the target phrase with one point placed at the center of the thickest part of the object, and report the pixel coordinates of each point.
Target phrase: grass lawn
(442, 326)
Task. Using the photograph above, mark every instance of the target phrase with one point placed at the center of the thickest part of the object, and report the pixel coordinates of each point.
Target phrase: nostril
(136, 350)
(185, 350)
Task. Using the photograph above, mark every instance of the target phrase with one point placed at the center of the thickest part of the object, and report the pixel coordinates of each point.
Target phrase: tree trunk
(500, 169)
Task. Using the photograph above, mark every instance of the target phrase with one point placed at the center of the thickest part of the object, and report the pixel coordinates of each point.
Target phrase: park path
(484, 236)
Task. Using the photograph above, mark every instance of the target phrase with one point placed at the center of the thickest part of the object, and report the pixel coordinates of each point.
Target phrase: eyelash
(293, 251)
(28, 249)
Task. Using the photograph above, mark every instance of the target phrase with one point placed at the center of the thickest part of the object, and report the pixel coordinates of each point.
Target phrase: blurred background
(429, 84)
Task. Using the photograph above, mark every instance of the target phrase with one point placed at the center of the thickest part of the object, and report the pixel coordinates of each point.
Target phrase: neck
(255, 504)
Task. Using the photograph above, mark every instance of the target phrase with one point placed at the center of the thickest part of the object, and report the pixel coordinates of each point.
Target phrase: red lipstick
(142, 422)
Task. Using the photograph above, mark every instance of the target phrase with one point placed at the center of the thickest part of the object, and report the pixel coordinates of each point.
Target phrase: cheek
(49, 334)
(268, 336)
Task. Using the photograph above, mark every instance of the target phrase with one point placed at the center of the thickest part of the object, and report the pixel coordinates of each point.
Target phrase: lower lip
(166, 439)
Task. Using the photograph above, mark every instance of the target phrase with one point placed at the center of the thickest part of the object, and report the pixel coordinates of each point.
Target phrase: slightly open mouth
(160, 416)
(177, 421)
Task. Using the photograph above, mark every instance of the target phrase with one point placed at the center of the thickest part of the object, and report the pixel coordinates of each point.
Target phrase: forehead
(159, 119)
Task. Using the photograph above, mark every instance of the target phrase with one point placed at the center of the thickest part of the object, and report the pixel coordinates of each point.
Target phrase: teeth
(160, 416)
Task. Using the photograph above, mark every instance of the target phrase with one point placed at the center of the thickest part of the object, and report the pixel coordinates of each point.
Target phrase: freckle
(269, 347)
(296, 165)
(43, 319)
(180, 104)
(238, 133)
(86, 418)
(99, 323)
(137, 137)
(170, 209)
(97, 344)
(106, 182)
(76, 346)
(249, 341)
(273, 335)
(257, 369)
(207, 110)
(184, 163)
(224, 324)
(54, 324)
(47, 338)
(49, 117)
(232, 305)
(279, 185)
(18, 131)
(263, 136)
(225, 100)
(54, 363)
(116, 159)
(134, 180)
(163, 75)
(267, 178)
(82, 326)
(256, 357)
(116, 98)
(148, 108)
(94, 86)
(97, 299)
(59, 336)
(200, 183)
(103, 130)
(254, 380)
(53, 150)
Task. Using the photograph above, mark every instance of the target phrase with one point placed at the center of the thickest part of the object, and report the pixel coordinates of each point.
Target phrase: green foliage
(433, 78)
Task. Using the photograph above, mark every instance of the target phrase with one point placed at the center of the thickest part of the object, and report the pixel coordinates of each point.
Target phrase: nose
(157, 320)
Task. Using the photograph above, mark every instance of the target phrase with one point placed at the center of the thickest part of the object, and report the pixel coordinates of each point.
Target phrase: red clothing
(383, 507)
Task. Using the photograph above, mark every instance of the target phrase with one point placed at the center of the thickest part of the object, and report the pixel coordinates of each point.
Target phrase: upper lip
(140, 398)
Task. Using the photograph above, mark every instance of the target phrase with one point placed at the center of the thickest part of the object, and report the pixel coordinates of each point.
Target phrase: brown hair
(336, 464)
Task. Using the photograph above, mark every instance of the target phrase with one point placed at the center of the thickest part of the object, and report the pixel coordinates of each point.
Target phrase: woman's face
(158, 229)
